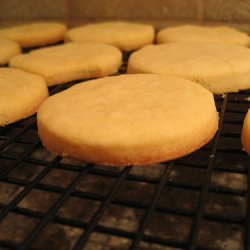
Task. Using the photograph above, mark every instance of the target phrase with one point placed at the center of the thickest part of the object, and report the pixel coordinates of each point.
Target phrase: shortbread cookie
(69, 62)
(201, 34)
(35, 34)
(246, 133)
(21, 94)
(8, 49)
(128, 119)
(219, 68)
(124, 35)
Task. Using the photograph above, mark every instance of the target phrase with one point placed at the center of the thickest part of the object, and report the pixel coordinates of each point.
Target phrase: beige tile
(32, 9)
(227, 10)
(200, 11)
(131, 9)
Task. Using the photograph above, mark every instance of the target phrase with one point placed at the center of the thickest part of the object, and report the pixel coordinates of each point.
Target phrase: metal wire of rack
(198, 202)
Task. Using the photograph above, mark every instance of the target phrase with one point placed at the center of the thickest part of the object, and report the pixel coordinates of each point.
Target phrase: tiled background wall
(158, 11)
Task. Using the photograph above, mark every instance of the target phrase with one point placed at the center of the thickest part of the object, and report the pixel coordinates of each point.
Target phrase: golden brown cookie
(202, 34)
(35, 34)
(128, 119)
(69, 62)
(218, 67)
(21, 94)
(8, 49)
(124, 35)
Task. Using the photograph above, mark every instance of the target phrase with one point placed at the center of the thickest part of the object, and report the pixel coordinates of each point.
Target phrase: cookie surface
(219, 68)
(201, 34)
(8, 49)
(21, 94)
(246, 133)
(128, 119)
(69, 62)
(35, 34)
(124, 35)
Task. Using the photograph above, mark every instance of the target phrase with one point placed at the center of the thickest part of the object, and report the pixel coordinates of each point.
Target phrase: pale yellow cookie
(124, 35)
(21, 94)
(201, 34)
(35, 34)
(69, 62)
(218, 67)
(245, 137)
(8, 49)
(128, 119)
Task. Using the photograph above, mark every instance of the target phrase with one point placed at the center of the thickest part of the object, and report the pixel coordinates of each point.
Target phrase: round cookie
(219, 68)
(8, 49)
(124, 35)
(21, 94)
(128, 119)
(245, 137)
(69, 62)
(201, 34)
(35, 34)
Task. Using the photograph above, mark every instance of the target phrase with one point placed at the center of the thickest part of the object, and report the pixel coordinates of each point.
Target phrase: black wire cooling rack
(201, 201)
